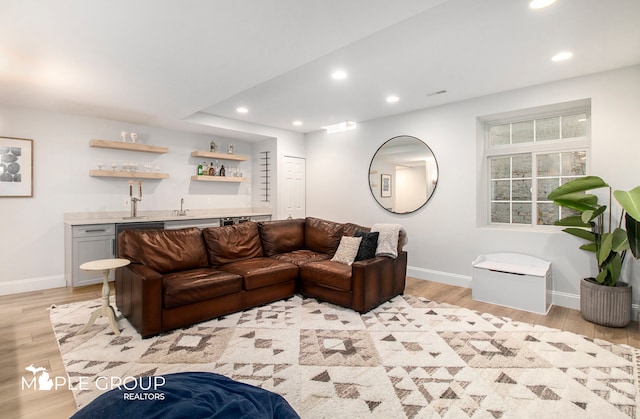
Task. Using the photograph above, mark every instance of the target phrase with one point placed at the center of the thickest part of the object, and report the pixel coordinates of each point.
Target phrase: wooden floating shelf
(118, 145)
(221, 156)
(128, 175)
(218, 178)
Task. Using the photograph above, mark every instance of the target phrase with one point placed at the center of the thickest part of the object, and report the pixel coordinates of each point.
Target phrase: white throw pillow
(347, 250)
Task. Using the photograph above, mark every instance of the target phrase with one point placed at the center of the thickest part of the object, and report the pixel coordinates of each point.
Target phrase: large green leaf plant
(594, 225)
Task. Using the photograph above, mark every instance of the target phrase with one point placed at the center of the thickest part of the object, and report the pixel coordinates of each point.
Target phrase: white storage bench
(513, 280)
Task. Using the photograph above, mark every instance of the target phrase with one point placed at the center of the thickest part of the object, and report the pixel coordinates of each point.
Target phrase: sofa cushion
(232, 243)
(192, 286)
(164, 250)
(368, 245)
(322, 236)
(347, 250)
(260, 271)
(302, 256)
(328, 273)
(350, 229)
(282, 236)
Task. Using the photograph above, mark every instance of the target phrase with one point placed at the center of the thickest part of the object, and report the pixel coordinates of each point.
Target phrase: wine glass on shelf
(147, 166)
(114, 165)
(123, 135)
(100, 164)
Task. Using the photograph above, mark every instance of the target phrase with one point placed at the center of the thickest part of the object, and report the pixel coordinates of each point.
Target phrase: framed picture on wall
(385, 186)
(16, 167)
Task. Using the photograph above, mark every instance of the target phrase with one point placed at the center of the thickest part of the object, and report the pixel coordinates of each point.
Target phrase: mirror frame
(369, 174)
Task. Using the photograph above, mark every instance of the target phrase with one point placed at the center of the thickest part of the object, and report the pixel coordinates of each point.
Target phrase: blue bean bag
(187, 395)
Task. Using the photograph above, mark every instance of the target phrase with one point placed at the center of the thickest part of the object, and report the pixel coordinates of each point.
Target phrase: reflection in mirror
(403, 174)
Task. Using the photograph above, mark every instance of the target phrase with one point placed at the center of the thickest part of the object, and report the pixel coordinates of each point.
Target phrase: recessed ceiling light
(392, 99)
(561, 56)
(339, 75)
(341, 126)
(540, 4)
(242, 109)
(297, 123)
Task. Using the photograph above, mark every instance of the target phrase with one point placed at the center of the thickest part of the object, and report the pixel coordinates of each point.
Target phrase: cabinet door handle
(96, 230)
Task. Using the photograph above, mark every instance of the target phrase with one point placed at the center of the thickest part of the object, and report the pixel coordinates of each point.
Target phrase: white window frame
(534, 149)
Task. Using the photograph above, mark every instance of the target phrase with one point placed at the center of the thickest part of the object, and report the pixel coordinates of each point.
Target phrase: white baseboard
(564, 299)
(32, 284)
(558, 298)
(439, 276)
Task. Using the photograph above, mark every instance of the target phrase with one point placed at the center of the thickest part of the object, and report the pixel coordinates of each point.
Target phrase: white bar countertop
(113, 217)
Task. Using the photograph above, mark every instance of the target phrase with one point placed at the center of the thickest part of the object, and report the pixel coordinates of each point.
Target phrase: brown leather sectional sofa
(180, 277)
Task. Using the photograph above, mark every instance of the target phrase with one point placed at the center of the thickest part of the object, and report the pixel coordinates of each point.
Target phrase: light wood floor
(26, 337)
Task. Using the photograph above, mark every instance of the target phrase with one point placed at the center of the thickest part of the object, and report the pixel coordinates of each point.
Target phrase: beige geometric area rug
(410, 357)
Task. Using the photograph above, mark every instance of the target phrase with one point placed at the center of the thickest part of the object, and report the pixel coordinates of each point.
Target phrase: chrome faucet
(182, 211)
(134, 206)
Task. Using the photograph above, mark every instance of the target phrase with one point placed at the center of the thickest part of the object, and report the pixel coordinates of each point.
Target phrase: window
(529, 158)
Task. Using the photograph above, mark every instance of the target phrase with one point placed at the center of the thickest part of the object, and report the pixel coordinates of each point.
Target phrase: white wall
(410, 188)
(444, 237)
(31, 231)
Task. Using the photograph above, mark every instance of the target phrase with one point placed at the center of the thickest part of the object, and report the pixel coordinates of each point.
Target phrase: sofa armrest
(372, 282)
(139, 298)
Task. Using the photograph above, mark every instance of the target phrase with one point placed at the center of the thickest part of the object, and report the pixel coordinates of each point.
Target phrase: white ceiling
(162, 62)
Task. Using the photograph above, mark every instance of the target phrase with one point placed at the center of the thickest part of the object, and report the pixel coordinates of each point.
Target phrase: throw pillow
(347, 250)
(368, 245)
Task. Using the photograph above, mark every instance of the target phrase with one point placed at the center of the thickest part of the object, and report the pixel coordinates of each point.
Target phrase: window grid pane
(539, 130)
(511, 189)
(555, 169)
(520, 183)
(548, 129)
(574, 126)
(500, 135)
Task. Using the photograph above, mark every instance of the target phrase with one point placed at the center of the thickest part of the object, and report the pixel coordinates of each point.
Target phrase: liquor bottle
(222, 171)
(205, 168)
(199, 169)
(212, 170)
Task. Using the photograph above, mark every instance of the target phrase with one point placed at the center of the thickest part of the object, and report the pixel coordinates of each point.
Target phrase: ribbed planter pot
(603, 305)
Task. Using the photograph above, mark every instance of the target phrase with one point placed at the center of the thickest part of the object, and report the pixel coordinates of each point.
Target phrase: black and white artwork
(16, 167)
(385, 187)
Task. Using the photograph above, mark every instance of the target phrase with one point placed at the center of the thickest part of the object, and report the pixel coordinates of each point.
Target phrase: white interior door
(295, 171)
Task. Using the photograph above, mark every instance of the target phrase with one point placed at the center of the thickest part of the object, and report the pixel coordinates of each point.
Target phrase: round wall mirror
(403, 174)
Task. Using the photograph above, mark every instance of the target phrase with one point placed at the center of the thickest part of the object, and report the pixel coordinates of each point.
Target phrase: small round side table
(104, 265)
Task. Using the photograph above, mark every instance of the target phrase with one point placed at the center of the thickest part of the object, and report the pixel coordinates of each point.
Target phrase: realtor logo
(132, 388)
(41, 375)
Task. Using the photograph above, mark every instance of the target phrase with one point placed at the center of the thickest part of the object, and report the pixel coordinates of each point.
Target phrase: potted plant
(604, 300)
